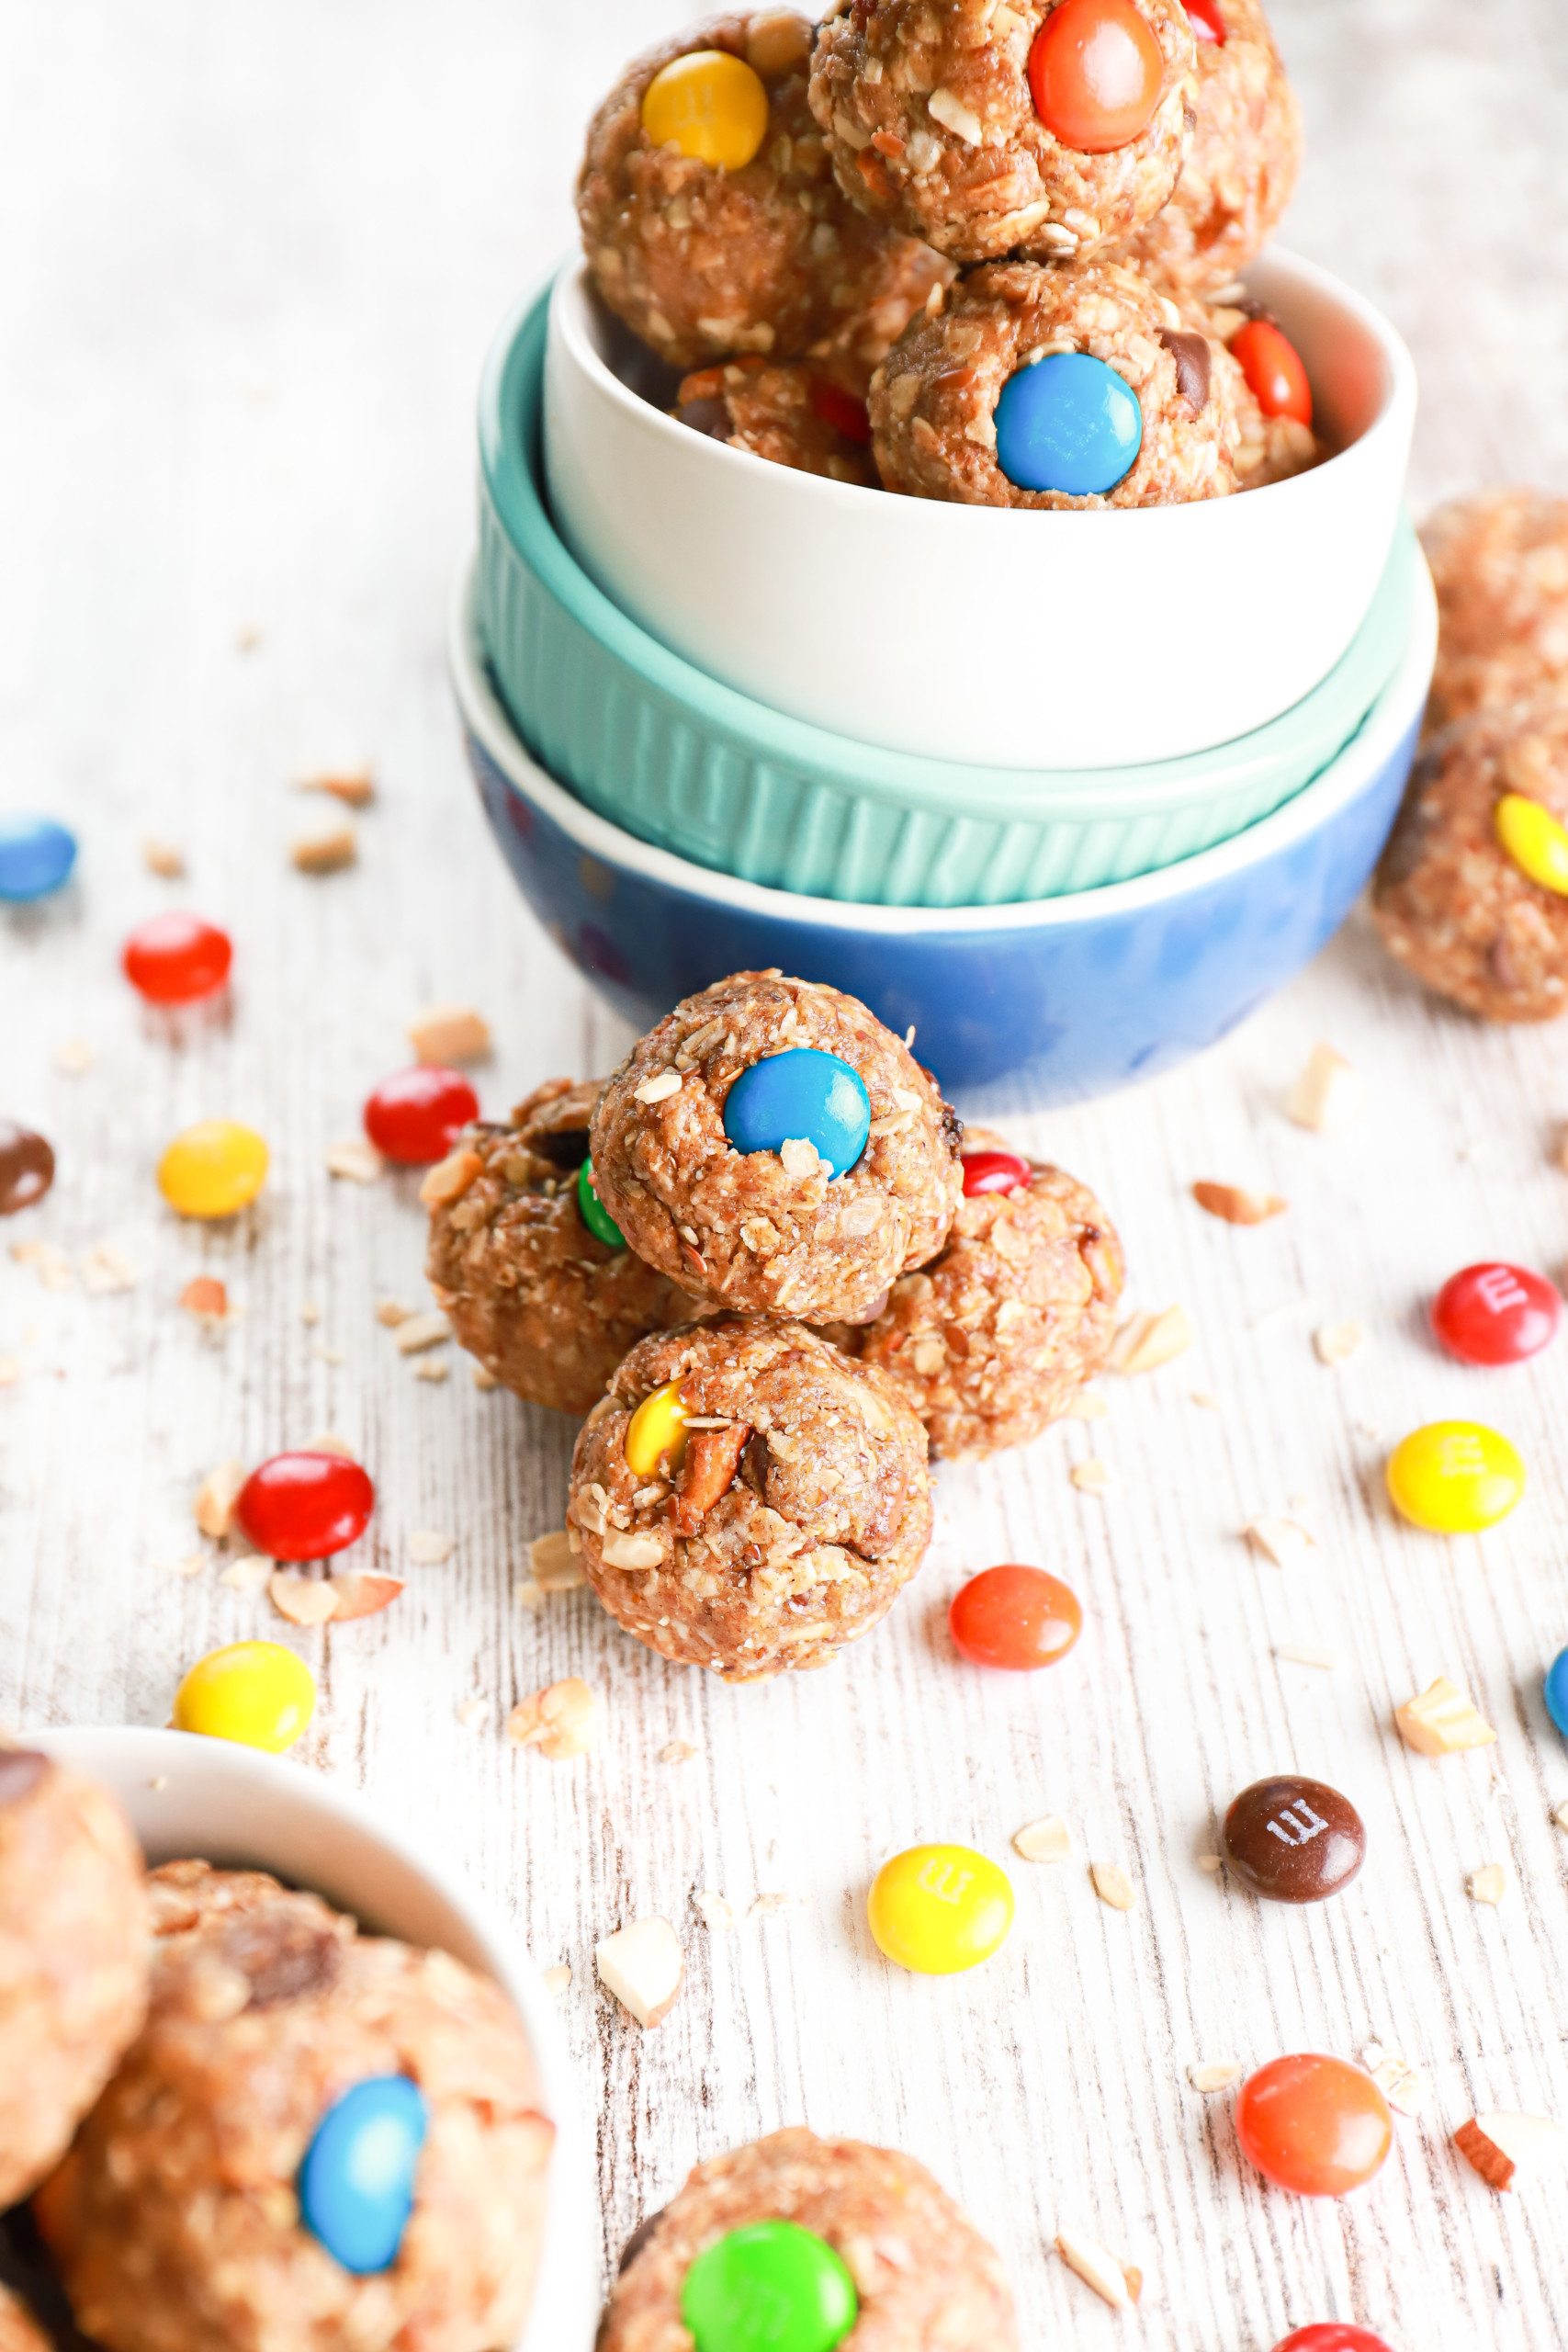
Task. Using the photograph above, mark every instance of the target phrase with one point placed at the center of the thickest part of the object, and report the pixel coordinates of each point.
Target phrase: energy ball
(1471, 892)
(747, 1498)
(710, 216)
(977, 127)
(784, 413)
(543, 1302)
(197, 2205)
(1054, 388)
(1500, 564)
(772, 1145)
(993, 1338)
(1242, 167)
(73, 1957)
(921, 2276)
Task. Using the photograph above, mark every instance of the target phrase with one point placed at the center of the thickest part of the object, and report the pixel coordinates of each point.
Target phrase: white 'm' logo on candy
(1498, 1290)
(1297, 1826)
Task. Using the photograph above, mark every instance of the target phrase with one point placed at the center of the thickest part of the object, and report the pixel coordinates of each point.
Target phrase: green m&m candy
(771, 2287)
(593, 1212)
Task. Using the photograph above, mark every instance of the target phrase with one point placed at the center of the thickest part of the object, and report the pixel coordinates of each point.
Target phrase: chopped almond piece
(1281, 1541)
(205, 1297)
(660, 1087)
(1087, 1407)
(358, 1161)
(164, 858)
(1237, 1205)
(1488, 1884)
(391, 1312)
(1111, 2279)
(713, 1457)
(1217, 2077)
(1112, 1885)
(361, 1593)
(554, 1981)
(72, 1057)
(355, 788)
(1402, 2085)
(1442, 1721)
(427, 1547)
(1502, 2146)
(1043, 1841)
(1337, 1343)
(1092, 1477)
(559, 1721)
(678, 1751)
(644, 1967)
(216, 1498)
(1148, 1341)
(484, 1379)
(1328, 1094)
(107, 1269)
(716, 1910)
(432, 1368)
(304, 1600)
(449, 1032)
(450, 1178)
(421, 1331)
(556, 1566)
(326, 849)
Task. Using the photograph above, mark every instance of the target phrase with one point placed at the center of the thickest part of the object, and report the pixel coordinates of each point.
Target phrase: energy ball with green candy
(921, 2276)
(765, 1215)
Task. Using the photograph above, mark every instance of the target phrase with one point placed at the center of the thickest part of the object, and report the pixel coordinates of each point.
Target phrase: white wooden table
(253, 253)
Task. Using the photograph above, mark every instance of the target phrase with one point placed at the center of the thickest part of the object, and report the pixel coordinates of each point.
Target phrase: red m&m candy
(1272, 367)
(1015, 1617)
(1496, 1314)
(1332, 2335)
(1206, 21)
(1312, 2124)
(176, 958)
(993, 1172)
(305, 1506)
(1095, 74)
(417, 1116)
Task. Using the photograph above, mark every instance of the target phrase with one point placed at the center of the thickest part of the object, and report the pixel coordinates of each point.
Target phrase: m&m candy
(841, 410)
(803, 1095)
(213, 1169)
(1332, 2335)
(938, 1909)
(356, 2185)
(1293, 1840)
(305, 1506)
(1206, 21)
(711, 106)
(769, 2287)
(416, 1116)
(1312, 2124)
(657, 1430)
(176, 958)
(1068, 424)
(593, 1212)
(36, 855)
(1014, 1617)
(993, 1172)
(255, 1692)
(1535, 840)
(1273, 369)
(1496, 1314)
(26, 1168)
(1095, 74)
(1454, 1477)
(1556, 1691)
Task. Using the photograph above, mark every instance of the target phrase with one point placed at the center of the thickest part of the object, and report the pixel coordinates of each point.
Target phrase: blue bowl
(1014, 1007)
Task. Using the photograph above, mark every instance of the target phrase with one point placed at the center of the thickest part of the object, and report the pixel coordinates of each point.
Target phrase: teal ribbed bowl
(658, 747)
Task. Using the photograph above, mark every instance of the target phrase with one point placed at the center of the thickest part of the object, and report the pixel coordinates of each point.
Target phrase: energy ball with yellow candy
(940, 1910)
(256, 1692)
(1471, 893)
(213, 1169)
(710, 217)
(1455, 1477)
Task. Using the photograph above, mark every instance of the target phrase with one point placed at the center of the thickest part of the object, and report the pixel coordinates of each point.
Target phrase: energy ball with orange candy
(1471, 892)
(1246, 155)
(1500, 565)
(771, 1143)
(202, 2202)
(784, 412)
(546, 1301)
(710, 216)
(73, 1957)
(1050, 388)
(1047, 127)
(747, 1498)
(993, 1338)
(1272, 443)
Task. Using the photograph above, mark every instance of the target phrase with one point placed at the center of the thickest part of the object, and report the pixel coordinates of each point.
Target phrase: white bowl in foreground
(218, 1802)
(991, 635)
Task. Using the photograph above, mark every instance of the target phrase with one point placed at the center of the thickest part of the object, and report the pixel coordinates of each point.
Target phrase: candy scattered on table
(256, 1692)
(1293, 1840)
(416, 1116)
(644, 1967)
(1095, 74)
(1442, 1719)
(802, 1096)
(177, 958)
(355, 2184)
(1556, 1691)
(1069, 422)
(769, 2287)
(1504, 2148)
(36, 855)
(213, 1169)
(305, 1506)
(1455, 1477)
(1535, 840)
(593, 1212)
(1273, 369)
(1315, 2125)
(1014, 1617)
(1494, 1313)
(26, 1168)
(938, 1909)
(711, 106)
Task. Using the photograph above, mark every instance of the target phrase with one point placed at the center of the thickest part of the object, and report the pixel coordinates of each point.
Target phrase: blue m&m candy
(770, 2287)
(1070, 424)
(1557, 1691)
(36, 855)
(356, 2182)
(801, 1096)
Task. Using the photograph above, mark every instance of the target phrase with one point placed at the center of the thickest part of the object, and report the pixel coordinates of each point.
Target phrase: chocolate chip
(26, 1168)
(1251, 309)
(638, 2239)
(1292, 1840)
(567, 1149)
(952, 1130)
(754, 1465)
(21, 1769)
(1194, 360)
(709, 416)
(284, 1955)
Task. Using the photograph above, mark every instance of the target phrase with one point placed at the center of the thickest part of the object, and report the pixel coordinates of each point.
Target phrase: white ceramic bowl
(214, 1800)
(981, 634)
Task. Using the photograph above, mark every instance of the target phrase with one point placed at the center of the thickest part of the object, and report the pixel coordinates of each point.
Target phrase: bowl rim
(1374, 741)
(571, 296)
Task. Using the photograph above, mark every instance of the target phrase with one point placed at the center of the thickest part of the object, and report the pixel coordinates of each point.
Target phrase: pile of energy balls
(975, 250)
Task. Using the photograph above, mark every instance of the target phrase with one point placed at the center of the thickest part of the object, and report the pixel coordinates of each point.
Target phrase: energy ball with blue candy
(772, 1145)
(317, 2139)
(1072, 387)
(37, 854)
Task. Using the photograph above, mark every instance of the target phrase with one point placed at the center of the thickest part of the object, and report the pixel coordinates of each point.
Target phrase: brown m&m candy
(27, 1167)
(1292, 1840)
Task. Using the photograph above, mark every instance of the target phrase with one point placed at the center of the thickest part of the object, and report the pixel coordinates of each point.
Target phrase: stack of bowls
(1071, 792)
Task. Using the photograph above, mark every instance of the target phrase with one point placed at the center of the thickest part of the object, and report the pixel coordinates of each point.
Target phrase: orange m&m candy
(1313, 2124)
(1096, 73)
(1272, 366)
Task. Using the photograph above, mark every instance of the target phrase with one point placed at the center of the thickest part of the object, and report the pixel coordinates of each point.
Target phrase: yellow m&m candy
(256, 1692)
(213, 1169)
(1455, 1477)
(711, 106)
(1535, 841)
(937, 1909)
(657, 1427)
